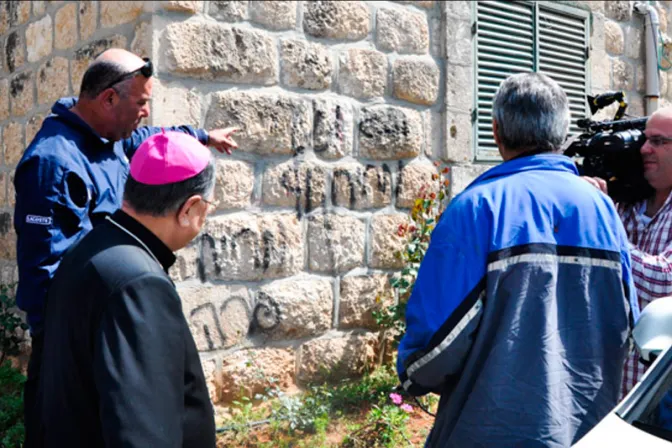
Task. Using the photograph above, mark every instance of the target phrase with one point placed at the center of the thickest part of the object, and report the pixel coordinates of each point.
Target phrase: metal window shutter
(505, 45)
(563, 56)
(514, 37)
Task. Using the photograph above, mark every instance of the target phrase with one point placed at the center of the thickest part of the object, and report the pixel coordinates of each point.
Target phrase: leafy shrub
(11, 379)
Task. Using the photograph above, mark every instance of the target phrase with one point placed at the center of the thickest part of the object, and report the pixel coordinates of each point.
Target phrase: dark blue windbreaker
(67, 180)
(520, 314)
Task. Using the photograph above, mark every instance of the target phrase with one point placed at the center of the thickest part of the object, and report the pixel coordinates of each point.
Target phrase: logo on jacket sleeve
(41, 220)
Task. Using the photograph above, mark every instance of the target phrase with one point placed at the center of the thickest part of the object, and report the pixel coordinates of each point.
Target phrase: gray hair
(532, 112)
(161, 200)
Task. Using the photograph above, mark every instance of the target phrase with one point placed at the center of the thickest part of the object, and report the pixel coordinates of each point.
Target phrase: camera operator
(648, 224)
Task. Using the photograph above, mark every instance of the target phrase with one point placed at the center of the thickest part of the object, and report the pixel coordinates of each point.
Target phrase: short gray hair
(161, 200)
(532, 112)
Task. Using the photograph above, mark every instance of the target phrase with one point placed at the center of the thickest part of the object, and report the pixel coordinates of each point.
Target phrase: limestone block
(332, 128)
(269, 123)
(419, 3)
(88, 19)
(293, 309)
(117, 13)
(228, 11)
(459, 87)
(362, 73)
(416, 80)
(33, 126)
(662, 18)
(235, 182)
(348, 20)
(389, 132)
(66, 27)
(172, 103)
(412, 179)
(460, 9)
(335, 359)
(13, 143)
(7, 237)
(187, 264)
(305, 65)
(463, 175)
(290, 184)
(85, 55)
(594, 5)
(15, 55)
(335, 243)
(250, 372)
(620, 10)
(39, 39)
(9, 272)
(218, 316)
(276, 15)
(242, 246)
(13, 13)
(21, 93)
(623, 75)
(212, 381)
(360, 296)
(190, 6)
(634, 44)
(53, 80)
(385, 241)
(600, 69)
(457, 144)
(360, 187)
(402, 30)
(214, 51)
(11, 191)
(614, 40)
(4, 99)
(142, 40)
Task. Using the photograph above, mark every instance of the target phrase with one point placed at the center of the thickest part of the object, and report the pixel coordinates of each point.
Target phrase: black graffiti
(264, 318)
(302, 190)
(358, 181)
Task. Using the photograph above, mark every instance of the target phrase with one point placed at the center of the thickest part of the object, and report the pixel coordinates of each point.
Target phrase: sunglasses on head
(147, 70)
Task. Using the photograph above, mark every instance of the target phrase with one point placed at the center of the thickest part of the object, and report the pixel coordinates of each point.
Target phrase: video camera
(610, 150)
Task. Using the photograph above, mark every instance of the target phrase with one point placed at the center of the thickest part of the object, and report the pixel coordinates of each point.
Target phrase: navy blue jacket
(68, 179)
(520, 313)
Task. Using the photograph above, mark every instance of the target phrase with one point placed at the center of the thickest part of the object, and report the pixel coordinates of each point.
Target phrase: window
(523, 36)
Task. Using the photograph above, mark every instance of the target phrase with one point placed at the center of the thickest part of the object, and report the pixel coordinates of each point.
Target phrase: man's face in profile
(657, 152)
(132, 107)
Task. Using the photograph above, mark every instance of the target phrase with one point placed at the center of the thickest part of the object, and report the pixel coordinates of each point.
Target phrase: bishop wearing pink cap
(115, 318)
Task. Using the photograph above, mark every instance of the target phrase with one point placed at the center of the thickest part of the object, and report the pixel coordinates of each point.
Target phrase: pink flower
(407, 407)
(396, 398)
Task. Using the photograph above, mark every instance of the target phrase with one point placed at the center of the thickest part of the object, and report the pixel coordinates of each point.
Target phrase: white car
(636, 421)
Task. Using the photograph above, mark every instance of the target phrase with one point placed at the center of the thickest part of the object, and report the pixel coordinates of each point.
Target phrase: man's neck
(155, 224)
(656, 202)
(83, 111)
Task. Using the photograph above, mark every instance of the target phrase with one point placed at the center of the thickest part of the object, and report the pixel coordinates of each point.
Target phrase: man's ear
(495, 128)
(183, 212)
(108, 98)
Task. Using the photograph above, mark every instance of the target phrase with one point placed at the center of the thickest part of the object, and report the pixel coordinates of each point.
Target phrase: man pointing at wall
(72, 175)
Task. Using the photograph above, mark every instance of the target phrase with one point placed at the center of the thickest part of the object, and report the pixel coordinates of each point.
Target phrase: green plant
(11, 379)
(424, 216)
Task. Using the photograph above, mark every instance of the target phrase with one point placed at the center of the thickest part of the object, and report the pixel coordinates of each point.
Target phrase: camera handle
(605, 99)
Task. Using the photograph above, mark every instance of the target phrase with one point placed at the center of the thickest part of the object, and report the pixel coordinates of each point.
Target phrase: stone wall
(343, 108)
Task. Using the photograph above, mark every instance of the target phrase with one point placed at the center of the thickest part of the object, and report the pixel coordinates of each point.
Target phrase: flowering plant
(424, 216)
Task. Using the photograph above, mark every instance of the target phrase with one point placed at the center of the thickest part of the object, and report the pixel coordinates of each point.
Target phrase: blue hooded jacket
(68, 179)
(521, 311)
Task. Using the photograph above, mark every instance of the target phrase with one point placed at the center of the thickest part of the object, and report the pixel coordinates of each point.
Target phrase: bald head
(109, 66)
(664, 113)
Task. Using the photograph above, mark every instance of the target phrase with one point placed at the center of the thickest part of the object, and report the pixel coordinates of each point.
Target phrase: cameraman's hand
(596, 182)
(221, 139)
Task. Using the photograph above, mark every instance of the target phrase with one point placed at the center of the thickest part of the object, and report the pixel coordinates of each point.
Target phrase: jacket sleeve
(132, 143)
(445, 307)
(139, 359)
(51, 214)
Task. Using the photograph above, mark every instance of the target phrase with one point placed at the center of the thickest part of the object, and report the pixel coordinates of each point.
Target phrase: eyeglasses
(212, 204)
(657, 141)
(147, 70)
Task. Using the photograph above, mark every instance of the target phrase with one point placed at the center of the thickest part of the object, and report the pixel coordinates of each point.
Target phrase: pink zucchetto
(168, 158)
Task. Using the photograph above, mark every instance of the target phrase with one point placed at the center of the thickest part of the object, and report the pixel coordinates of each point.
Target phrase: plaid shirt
(651, 253)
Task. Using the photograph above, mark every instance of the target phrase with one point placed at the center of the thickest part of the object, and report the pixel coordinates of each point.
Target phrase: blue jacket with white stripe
(68, 179)
(521, 311)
